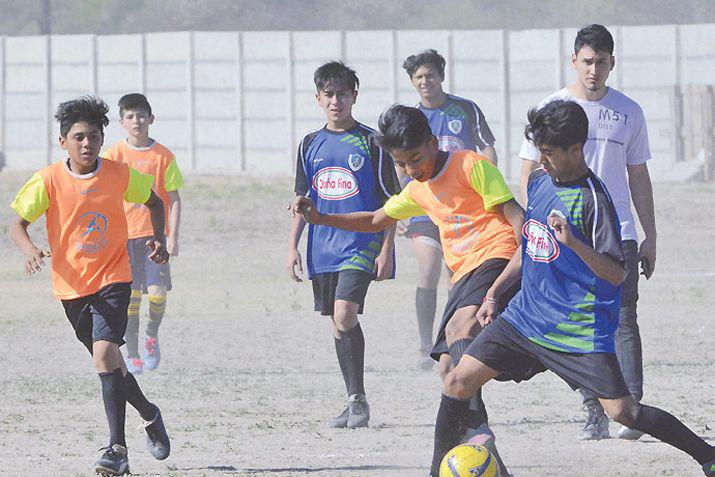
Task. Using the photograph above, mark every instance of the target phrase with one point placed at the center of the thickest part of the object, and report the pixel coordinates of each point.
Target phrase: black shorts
(348, 285)
(471, 290)
(100, 316)
(145, 272)
(501, 347)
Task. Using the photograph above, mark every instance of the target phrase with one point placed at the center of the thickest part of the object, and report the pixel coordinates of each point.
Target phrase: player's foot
(709, 468)
(596, 426)
(341, 420)
(629, 434)
(483, 435)
(152, 353)
(134, 365)
(157, 440)
(359, 411)
(114, 461)
(425, 363)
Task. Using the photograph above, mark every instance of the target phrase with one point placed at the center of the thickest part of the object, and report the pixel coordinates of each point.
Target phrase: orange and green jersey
(157, 161)
(86, 226)
(460, 201)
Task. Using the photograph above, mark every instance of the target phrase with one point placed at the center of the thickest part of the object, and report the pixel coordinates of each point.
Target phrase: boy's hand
(34, 262)
(294, 261)
(384, 264)
(305, 207)
(172, 246)
(159, 253)
(562, 230)
(647, 257)
(487, 313)
(401, 229)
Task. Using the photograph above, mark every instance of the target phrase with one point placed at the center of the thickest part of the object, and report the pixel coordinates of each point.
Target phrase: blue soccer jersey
(562, 304)
(458, 124)
(344, 172)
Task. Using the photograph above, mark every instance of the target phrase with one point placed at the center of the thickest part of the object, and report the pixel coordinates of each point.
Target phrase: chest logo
(449, 143)
(335, 183)
(355, 161)
(92, 228)
(541, 246)
(455, 126)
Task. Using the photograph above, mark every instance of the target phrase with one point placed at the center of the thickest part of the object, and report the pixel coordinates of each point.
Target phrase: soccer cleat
(483, 435)
(114, 461)
(426, 363)
(596, 426)
(629, 434)
(709, 469)
(341, 420)
(359, 411)
(157, 440)
(134, 365)
(152, 353)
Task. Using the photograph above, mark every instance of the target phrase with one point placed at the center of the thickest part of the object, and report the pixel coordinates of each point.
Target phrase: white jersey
(617, 137)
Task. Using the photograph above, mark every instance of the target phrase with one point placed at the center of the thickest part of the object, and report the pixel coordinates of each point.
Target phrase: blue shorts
(146, 273)
(101, 315)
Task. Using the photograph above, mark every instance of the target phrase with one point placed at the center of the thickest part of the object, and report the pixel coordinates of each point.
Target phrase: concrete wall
(230, 102)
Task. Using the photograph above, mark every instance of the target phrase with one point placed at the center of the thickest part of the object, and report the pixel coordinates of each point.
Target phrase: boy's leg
(661, 425)
(353, 348)
(158, 282)
(465, 380)
(429, 263)
(107, 363)
(131, 335)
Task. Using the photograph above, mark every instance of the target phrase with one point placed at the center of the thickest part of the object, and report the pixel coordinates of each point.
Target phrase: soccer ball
(469, 460)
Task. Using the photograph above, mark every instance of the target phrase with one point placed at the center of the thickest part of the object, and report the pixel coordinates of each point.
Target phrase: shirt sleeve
(32, 201)
(389, 182)
(302, 187)
(482, 135)
(139, 187)
(488, 182)
(638, 150)
(528, 151)
(601, 223)
(402, 206)
(173, 180)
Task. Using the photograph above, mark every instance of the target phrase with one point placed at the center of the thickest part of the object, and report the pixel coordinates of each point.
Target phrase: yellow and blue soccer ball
(469, 460)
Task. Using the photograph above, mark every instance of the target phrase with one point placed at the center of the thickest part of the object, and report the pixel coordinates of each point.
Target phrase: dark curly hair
(402, 127)
(89, 109)
(427, 57)
(558, 124)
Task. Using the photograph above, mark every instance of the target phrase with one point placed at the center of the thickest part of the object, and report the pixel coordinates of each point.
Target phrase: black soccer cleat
(157, 440)
(114, 461)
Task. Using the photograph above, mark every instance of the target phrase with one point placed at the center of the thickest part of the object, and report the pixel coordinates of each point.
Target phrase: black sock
(477, 411)
(667, 428)
(457, 349)
(425, 306)
(115, 402)
(136, 398)
(355, 346)
(342, 353)
(449, 428)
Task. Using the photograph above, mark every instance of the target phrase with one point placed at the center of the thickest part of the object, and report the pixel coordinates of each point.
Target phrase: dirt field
(249, 377)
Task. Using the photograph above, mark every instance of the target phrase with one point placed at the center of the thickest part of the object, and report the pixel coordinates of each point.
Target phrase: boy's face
(83, 143)
(136, 122)
(418, 163)
(559, 162)
(427, 81)
(592, 67)
(337, 102)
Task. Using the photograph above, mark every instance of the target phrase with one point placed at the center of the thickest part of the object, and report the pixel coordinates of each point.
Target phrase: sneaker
(359, 414)
(425, 363)
(341, 420)
(596, 426)
(157, 440)
(134, 365)
(629, 434)
(709, 469)
(152, 354)
(114, 461)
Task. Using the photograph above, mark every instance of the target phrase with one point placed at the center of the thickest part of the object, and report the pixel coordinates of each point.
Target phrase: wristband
(490, 300)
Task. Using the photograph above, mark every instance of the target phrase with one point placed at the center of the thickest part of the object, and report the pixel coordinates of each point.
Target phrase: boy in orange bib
(83, 197)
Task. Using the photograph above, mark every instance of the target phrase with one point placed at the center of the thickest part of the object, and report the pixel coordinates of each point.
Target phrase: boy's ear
(62, 141)
(151, 119)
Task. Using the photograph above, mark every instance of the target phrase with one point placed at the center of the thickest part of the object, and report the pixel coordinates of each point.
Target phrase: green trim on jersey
(456, 111)
(358, 141)
(32, 200)
(487, 181)
(578, 325)
(364, 260)
(573, 200)
(173, 180)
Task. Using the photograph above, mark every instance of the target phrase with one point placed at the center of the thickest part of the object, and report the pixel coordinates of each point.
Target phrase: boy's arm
(642, 195)
(600, 264)
(172, 241)
(295, 262)
(375, 221)
(491, 154)
(384, 263)
(506, 279)
(33, 255)
(156, 244)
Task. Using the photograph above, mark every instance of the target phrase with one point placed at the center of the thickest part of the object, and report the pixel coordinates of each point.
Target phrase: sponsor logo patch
(541, 246)
(355, 161)
(335, 183)
(455, 126)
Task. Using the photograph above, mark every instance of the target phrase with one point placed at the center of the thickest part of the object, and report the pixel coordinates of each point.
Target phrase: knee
(455, 386)
(104, 355)
(624, 415)
(345, 320)
(461, 326)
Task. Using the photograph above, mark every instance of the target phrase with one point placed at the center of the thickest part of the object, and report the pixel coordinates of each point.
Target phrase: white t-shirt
(617, 137)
